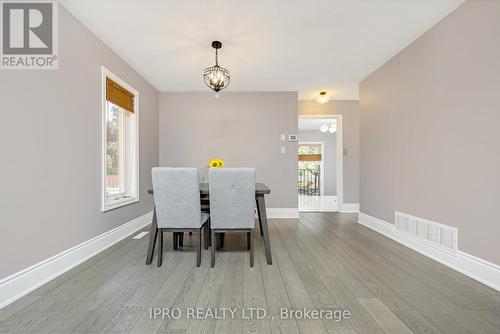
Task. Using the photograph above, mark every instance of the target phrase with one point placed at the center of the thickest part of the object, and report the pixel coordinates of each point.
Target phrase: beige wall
(430, 143)
(50, 137)
(350, 127)
(243, 129)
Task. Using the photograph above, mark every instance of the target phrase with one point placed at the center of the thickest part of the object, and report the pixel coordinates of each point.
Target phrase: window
(120, 142)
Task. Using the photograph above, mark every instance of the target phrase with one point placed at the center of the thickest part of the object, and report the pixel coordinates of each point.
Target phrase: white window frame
(106, 204)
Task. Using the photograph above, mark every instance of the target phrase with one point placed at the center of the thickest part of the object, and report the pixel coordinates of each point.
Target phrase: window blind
(118, 95)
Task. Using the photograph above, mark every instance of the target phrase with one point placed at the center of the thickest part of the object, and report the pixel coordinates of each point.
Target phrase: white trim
(481, 270)
(105, 73)
(21, 283)
(119, 203)
(340, 153)
(349, 208)
(318, 204)
(140, 235)
(282, 212)
(321, 164)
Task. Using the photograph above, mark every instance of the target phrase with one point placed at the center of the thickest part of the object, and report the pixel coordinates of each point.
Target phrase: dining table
(260, 191)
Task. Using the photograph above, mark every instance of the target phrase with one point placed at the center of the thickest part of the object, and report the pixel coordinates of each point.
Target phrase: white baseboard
(481, 270)
(349, 208)
(282, 212)
(21, 283)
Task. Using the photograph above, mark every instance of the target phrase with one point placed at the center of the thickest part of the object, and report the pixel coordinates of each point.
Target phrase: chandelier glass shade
(216, 77)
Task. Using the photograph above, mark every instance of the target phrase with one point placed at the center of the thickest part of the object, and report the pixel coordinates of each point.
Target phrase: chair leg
(250, 234)
(212, 258)
(198, 253)
(160, 247)
(248, 240)
(206, 229)
(175, 240)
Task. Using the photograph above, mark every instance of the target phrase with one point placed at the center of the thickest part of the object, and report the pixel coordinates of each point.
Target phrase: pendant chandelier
(216, 77)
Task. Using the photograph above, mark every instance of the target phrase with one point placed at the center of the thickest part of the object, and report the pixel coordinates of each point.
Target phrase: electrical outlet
(283, 150)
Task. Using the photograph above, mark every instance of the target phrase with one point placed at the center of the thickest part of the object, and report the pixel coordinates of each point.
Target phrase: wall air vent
(434, 234)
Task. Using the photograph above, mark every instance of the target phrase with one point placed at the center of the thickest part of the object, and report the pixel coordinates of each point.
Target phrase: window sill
(118, 203)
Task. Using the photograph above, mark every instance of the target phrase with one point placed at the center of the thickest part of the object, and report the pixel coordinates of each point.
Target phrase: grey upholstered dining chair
(232, 204)
(177, 203)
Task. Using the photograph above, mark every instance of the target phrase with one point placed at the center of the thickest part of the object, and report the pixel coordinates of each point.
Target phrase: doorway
(319, 168)
(311, 168)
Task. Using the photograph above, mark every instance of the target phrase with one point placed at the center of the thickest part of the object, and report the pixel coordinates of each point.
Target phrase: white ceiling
(279, 45)
(308, 124)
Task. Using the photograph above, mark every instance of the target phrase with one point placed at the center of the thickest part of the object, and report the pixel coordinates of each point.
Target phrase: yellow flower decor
(216, 163)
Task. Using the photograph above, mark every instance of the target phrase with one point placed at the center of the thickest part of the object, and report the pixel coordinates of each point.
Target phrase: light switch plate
(282, 137)
(283, 150)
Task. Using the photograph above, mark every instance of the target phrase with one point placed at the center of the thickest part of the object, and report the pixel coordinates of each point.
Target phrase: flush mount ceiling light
(324, 128)
(216, 77)
(322, 98)
(329, 127)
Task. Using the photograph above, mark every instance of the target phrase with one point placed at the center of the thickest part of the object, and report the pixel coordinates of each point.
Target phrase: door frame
(321, 164)
(339, 157)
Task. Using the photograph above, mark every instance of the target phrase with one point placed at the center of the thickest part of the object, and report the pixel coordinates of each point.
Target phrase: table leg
(175, 240)
(261, 209)
(258, 216)
(153, 233)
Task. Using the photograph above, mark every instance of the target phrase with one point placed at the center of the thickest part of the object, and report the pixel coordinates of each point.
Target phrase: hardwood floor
(324, 261)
